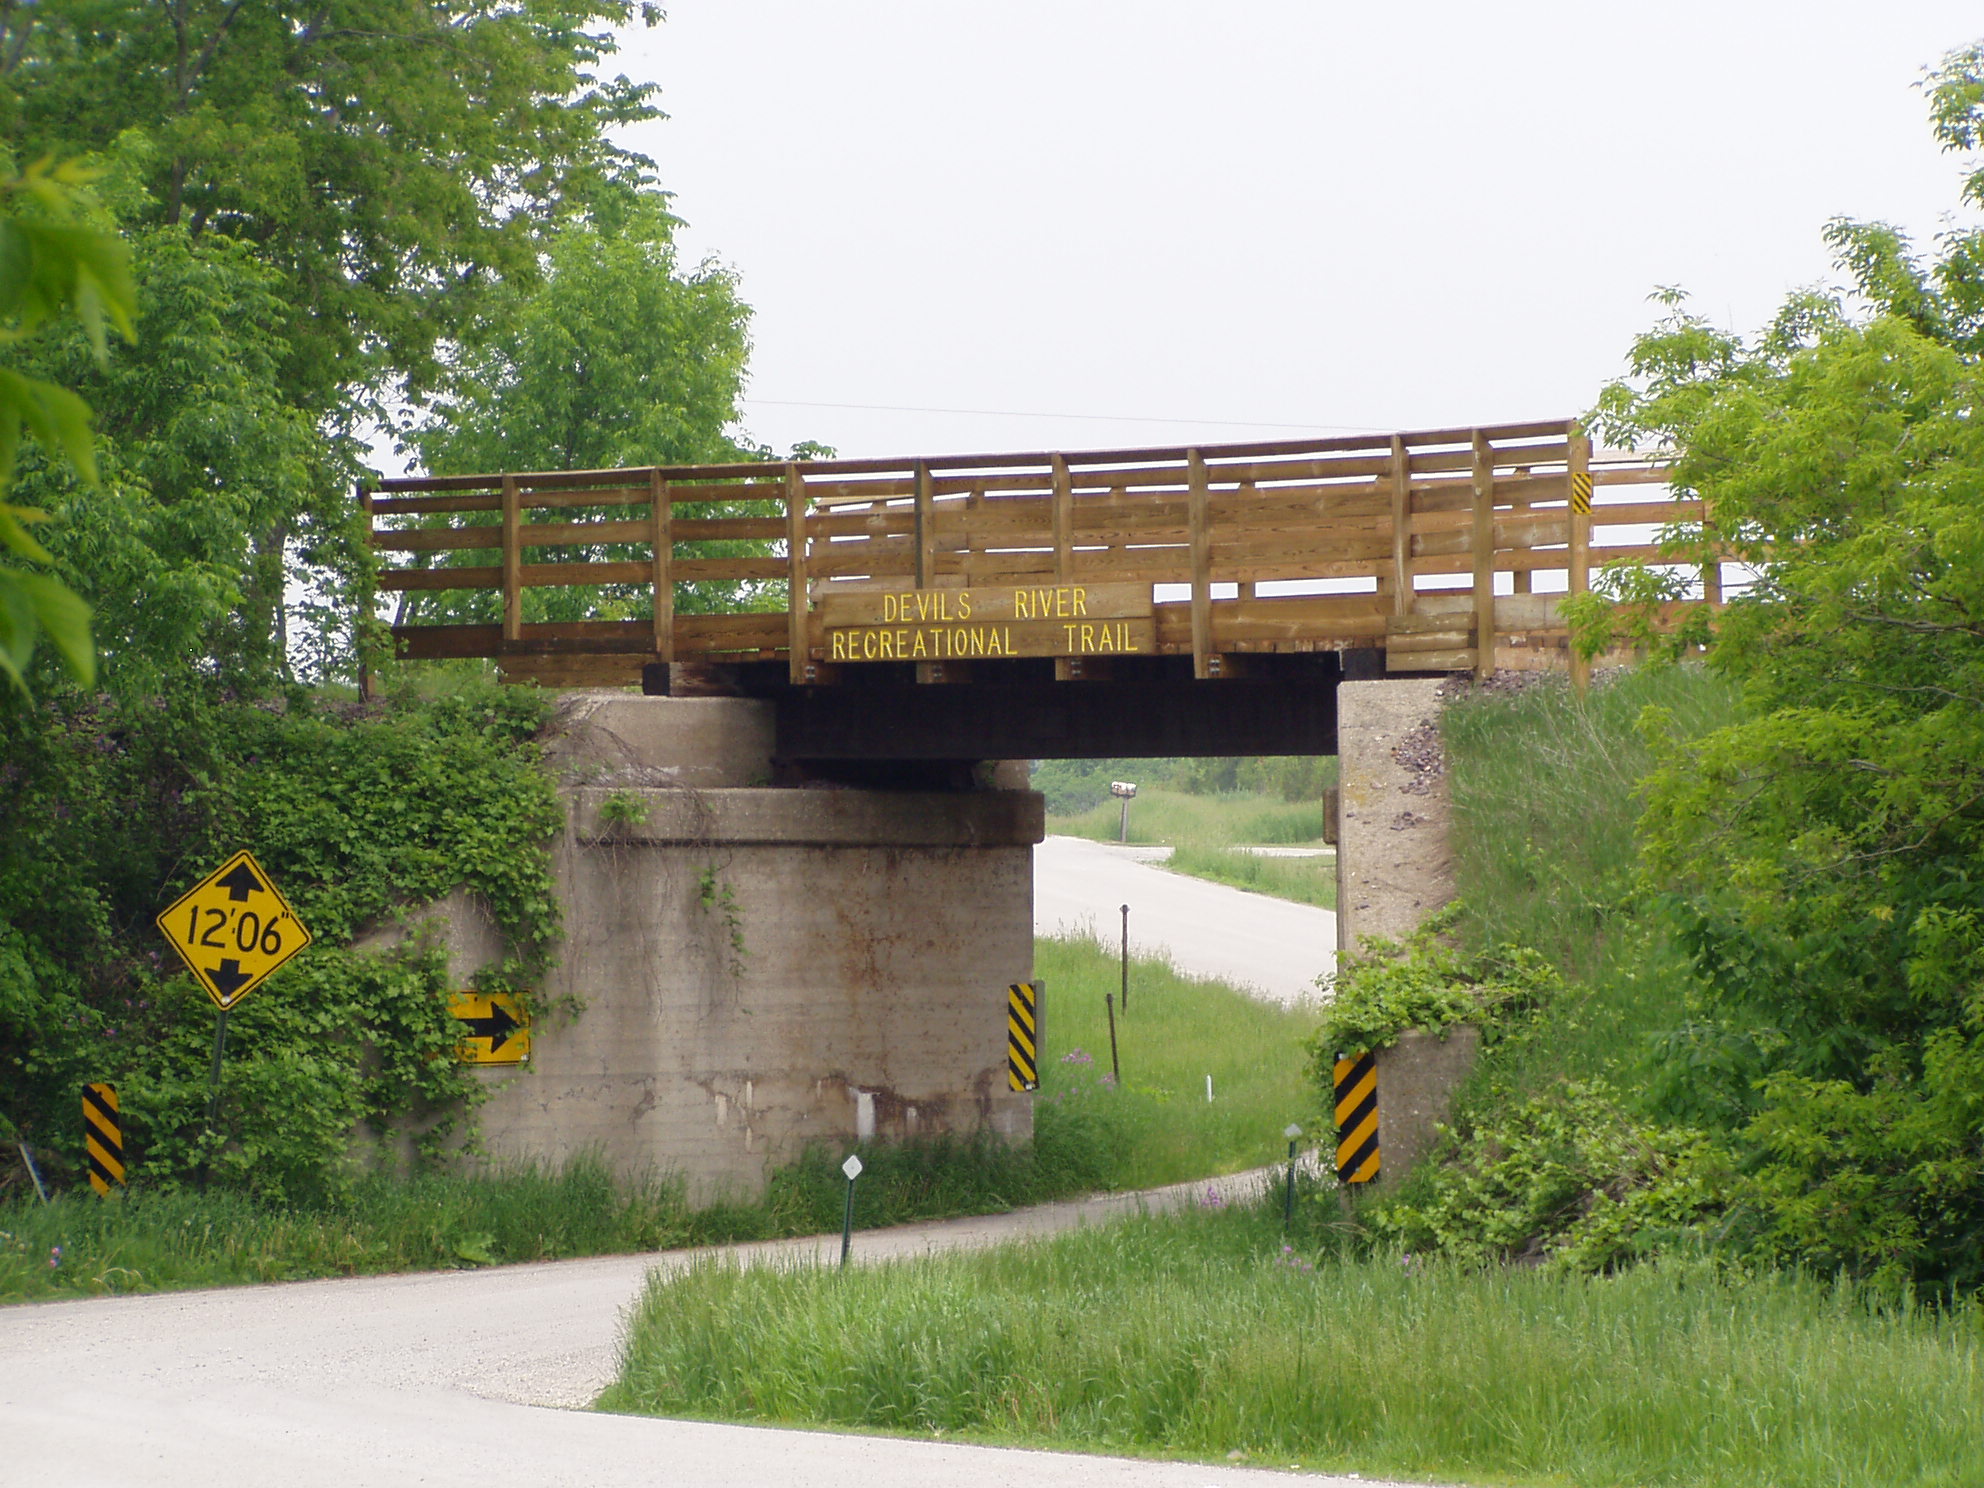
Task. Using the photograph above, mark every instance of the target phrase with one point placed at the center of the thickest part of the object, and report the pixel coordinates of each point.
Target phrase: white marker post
(852, 1167)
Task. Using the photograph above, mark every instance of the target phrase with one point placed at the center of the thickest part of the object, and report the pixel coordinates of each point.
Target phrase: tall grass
(1304, 880)
(1165, 816)
(1197, 1335)
(1545, 854)
(152, 1240)
(1176, 1031)
(1089, 1136)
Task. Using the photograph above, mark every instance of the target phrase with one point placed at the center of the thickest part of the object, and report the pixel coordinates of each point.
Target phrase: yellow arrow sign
(495, 1028)
(233, 929)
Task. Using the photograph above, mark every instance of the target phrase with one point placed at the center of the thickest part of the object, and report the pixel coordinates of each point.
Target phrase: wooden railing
(1419, 523)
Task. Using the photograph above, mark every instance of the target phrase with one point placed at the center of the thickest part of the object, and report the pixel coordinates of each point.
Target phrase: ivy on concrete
(361, 813)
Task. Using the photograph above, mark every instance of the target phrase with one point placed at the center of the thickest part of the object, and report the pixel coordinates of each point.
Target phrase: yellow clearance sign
(495, 1028)
(233, 929)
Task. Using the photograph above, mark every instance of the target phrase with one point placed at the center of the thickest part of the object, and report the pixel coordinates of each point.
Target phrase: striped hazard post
(1356, 1118)
(103, 1137)
(1581, 492)
(1023, 1036)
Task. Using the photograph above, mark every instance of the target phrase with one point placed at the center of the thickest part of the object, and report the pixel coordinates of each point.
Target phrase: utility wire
(1096, 418)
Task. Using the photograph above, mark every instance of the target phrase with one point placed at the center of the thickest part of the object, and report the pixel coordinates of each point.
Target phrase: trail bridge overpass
(1130, 602)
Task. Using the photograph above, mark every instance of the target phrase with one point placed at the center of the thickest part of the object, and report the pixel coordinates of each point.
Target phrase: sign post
(852, 1167)
(1292, 1132)
(233, 929)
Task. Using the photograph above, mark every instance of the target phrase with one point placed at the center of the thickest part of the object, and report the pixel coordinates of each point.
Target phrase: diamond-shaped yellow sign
(233, 929)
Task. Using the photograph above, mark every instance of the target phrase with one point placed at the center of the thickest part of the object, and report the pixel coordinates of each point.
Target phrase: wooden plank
(482, 535)
(661, 559)
(1401, 521)
(513, 599)
(572, 671)
(1063, 517)
(1579, 557)
(797, 633)
(409, 506)
(1431, 661)
(966, 640)
(1484, 554)
(397, 580)
(926, 551)
(1201, 559)
(1054, 601)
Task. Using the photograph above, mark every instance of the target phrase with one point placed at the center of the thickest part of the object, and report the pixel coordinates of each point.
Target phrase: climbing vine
(361, 813)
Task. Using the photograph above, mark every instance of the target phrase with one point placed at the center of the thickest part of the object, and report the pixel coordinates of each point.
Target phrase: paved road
(479, 1378)
(463, 1380)
(1270, 945)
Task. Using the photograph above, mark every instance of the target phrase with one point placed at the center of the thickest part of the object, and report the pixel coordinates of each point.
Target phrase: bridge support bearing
(760, 968)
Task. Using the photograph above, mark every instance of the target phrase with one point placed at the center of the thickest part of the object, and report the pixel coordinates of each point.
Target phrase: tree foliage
(1824, 861)
(51, 263)
(328, 202)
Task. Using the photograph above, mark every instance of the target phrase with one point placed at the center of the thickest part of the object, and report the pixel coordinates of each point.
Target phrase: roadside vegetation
(1710, 1211)
(1091, 1134)
(1204, 1335)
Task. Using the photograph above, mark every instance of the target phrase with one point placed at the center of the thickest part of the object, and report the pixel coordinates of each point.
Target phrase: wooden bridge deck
(1179, 552)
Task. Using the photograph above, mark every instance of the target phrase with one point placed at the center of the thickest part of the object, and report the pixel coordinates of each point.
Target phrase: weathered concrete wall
(1417, 1079)
(1394, 869)
(761, 968)
(1394, 858)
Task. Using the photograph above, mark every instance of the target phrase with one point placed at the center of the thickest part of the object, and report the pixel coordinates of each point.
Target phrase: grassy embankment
(1157, 1129)
(1198, 1335)
(1195, 1335)
(1206, 833)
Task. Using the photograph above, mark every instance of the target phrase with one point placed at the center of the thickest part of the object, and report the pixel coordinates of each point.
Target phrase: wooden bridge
(1131, 567)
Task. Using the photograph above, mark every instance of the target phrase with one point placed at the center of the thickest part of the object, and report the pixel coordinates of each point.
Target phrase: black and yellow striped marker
(103, 1137)
(1023, 1036)
(1356, 1118)
(1581, 492)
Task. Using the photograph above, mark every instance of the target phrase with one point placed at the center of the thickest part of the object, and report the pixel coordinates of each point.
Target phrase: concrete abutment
(747, 970)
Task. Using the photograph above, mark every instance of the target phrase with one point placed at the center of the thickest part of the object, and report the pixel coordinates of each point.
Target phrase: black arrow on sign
(228, 978)
(497, 1027)
(241, 883)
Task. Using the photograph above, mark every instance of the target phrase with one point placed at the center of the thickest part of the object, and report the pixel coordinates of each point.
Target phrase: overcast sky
(1282, 212)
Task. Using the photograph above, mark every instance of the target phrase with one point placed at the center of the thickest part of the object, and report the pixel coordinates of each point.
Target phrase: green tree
(344, 192)
(1825, 860)
(50, 264)
(615, 357)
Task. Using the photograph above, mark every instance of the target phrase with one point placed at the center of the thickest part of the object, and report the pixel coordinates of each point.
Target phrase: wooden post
(513, 592)
(798, 639)
(1062, 502)
(926, 531)
(1401, 527)
(1484, 556)
(1578, 580)
(1064, 520)
(661, 544)
(368, 605)
(1711, 570)
(1522, 579)
(1199, 516)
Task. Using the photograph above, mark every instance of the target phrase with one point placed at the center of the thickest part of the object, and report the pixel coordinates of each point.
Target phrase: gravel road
(466, 1380)
(479, 1378)
(1274, 947)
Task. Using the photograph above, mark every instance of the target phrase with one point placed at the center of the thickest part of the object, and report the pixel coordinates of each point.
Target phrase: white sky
(1332, 216)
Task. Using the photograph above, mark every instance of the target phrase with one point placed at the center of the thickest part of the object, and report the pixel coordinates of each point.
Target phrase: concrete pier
(745, 969)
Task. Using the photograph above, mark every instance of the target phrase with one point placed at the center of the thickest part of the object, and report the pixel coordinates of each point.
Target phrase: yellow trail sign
(495, 1028)
(233, 929)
